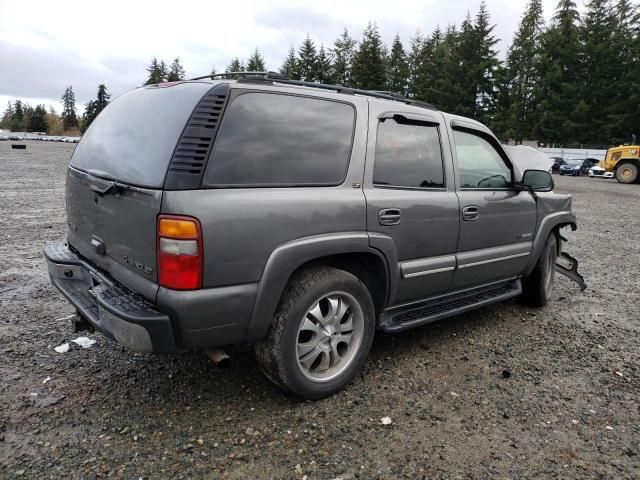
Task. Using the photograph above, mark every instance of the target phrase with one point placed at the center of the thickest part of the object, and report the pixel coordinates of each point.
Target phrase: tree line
(573, 80)
(21, 117)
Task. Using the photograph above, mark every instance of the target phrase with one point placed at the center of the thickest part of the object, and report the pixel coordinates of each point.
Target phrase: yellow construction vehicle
(624, 162)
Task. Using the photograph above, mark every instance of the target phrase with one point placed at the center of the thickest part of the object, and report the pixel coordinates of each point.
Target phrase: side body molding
(286, 259)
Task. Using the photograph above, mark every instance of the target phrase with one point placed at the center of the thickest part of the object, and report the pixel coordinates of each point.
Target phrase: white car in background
(599, 172)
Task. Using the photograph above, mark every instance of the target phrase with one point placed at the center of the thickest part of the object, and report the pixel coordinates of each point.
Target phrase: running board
(414, 315)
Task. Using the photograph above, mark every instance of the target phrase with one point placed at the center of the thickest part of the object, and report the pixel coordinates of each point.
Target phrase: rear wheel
(627, 173)
(538, 286)
(321, 334)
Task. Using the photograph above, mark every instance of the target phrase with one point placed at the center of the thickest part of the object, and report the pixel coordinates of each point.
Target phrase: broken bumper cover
(108, 306)
(570, 271)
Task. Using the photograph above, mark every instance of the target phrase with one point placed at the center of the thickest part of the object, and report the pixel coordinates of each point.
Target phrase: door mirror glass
(538, 180)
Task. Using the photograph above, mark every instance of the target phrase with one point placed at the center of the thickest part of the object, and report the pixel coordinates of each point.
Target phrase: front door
(411, 199)
(497, 222)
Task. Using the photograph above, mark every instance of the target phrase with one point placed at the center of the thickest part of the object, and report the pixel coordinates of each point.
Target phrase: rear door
(497, 222)
(116, 176)
(411, 198)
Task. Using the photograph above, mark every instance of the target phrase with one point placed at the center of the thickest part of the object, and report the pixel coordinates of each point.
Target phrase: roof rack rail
(275, 77)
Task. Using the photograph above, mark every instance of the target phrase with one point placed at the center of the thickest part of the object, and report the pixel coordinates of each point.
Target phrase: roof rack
(275, 77)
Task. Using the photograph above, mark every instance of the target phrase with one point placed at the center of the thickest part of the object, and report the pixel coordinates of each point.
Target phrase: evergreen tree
(5, 123)
(398, 68)
(176, 71)
(69, 117)
(559, 88)
(289, 67)
(517, 103)
(343, 51)
(324, 70)
(94, 107)
(38, 120)
(157, 72)
(415, 62)
(18, 117)
(485, 66)
(307, 61)
(235, 66)
(369, 63)
(256, 62)
(597, 77)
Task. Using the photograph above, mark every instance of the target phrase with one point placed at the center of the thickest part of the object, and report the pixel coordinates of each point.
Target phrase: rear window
(133, 139)
(269, 139)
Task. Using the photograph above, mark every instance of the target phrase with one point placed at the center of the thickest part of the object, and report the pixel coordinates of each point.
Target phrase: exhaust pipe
(219, 357)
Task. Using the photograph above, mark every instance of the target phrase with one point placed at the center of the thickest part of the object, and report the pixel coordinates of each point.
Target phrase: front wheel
(538, 285)
(321, 334)
(627, 173)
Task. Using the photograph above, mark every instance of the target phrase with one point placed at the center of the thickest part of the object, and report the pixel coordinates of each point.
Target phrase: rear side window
(408, 154)
(133, 139)
(269, 139)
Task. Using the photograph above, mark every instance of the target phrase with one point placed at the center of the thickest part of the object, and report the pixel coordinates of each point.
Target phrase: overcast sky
(46, 45)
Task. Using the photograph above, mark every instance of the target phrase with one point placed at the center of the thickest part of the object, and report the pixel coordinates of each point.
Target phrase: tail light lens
(179, 249)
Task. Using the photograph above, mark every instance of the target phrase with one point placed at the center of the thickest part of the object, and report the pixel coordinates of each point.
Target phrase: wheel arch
(551, 224)
(347, 251)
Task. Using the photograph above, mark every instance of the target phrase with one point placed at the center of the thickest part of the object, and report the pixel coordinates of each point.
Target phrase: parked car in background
(598, 171)
(557, 163)
(578, 166)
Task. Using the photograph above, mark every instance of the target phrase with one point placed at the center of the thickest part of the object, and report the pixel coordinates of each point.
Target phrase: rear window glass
(271, 139)
(133, 139)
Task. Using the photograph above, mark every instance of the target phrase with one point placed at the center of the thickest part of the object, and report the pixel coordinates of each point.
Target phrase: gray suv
(296, 217)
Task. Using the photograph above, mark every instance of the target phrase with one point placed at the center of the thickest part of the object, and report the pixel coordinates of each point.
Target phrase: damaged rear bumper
(108, 306)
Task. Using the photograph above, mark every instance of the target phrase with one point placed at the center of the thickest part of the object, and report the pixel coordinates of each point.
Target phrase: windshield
(575, 162)
(133, 138)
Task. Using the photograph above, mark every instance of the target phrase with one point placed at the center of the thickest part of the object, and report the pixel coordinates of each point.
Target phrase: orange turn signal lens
(177, 228)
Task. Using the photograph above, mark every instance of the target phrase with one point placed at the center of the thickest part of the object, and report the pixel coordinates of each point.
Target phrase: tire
(303, 352)
(537, 287)
(627, 173)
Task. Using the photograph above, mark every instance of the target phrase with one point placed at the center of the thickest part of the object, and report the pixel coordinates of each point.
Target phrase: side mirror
(537, 180)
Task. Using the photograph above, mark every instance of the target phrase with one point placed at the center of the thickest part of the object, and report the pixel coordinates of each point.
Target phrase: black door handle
(389, 216)
(470, 213)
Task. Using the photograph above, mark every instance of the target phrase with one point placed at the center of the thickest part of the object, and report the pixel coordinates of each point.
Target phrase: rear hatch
(116, 177)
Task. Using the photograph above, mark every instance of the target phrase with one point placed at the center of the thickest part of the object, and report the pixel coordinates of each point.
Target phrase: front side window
(479, 163)
(408, 154)
(269, 139)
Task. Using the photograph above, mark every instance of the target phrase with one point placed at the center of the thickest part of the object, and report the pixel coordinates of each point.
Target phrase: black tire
(277, 354)
(627, 173)
(538, 285)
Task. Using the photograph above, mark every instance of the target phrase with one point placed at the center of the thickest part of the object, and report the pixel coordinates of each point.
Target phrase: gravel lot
(569, 406)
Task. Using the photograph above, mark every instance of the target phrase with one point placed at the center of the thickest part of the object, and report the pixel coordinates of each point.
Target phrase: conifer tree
(485, 66)
(38, 120)
(398, 68)
(559, 105)
(18, 117)
(176, 71)
(307, 64)
(324, 70)
(235, 66)
(5, 123)
(157, 72)
(94, 107)
(343, 51)
(414, 64)
(69, 116)
(517, 103)
(289, 67)
(255, 63)
(369, 63)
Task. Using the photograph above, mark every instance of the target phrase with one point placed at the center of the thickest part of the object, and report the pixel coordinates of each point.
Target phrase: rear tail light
(179, 252)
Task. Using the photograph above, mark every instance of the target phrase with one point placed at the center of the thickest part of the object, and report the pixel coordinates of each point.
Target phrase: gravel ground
(503, 392)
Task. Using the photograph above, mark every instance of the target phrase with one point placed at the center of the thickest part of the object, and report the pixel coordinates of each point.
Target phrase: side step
(404, 318)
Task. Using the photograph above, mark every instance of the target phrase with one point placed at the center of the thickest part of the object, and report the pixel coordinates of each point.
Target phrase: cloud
(49, 47)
